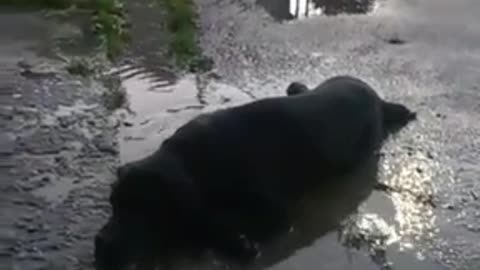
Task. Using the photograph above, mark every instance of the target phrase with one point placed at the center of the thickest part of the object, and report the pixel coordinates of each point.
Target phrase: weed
(79, 66)
(181, 24)
(115, 96)
(110, 24)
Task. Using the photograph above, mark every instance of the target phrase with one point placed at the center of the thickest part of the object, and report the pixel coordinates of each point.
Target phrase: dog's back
(267, 143)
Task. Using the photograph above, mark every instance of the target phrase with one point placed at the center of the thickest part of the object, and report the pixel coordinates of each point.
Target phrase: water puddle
(156, 107)
(297, 9)
(329, 231)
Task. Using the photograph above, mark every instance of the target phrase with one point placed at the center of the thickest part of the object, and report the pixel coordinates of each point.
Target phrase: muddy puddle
(158, 106)
(297, 9)
(389, 230)
(353, 228)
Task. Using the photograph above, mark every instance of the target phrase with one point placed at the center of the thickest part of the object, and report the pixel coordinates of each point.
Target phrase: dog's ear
(296, 88)
(396, 116)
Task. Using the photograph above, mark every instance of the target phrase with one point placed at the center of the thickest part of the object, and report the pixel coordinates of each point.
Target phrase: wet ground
(422, 53)
(57, 148)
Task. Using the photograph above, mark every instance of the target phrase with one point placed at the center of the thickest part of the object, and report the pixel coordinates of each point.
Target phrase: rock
(45, 227)
(20, 225)
(54, 246)
(28, 218)
(65, 121)
(474, 195)
(43, 141)
(6, 112)
(32, 229)
(105, 145)
(22, 255)
(7, 143)
(127, 124)
(395, 41)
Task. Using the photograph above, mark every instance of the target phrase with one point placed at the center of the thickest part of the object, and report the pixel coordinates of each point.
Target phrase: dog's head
(112, 250)
(154, 210)
(130, 230)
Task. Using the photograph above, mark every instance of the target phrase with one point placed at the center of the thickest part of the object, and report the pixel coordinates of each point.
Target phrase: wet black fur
(236, 171)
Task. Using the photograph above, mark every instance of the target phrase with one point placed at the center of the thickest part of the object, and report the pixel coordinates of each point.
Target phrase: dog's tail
(396, 116)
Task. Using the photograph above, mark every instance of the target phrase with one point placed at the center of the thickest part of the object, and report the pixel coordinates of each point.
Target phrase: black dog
(227, 179)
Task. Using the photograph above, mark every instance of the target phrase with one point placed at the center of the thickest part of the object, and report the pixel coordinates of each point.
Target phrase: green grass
(108, 18)
(181, 16)
(110, 24)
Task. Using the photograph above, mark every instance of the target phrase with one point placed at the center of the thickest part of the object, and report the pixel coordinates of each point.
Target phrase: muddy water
(158, 107)
(155, 114)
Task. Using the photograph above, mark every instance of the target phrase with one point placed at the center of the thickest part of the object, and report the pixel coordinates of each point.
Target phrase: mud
(59, 148)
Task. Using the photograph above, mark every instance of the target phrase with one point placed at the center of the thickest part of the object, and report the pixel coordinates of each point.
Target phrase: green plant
(181, 16)
(110, 24)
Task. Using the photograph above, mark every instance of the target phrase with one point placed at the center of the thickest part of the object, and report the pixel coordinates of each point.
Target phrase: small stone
(53, 246)
(144, 122)
(65, 121)
(224, 100)
(45, 227)
(396, 41)
(103, 145)
(72, 259)
(7, 143)
(128, 124)
(21, 225)
(38, 257)
(32, 229)
(26, 187)
(45, 179)
(22, 255)
(28, 218)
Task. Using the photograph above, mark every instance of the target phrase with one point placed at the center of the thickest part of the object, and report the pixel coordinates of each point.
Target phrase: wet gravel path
(57, 149)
